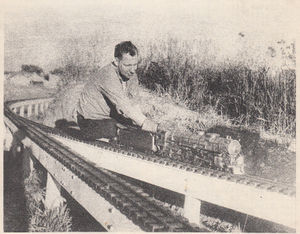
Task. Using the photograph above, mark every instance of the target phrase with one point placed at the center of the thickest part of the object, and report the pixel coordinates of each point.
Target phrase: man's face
(128, 65)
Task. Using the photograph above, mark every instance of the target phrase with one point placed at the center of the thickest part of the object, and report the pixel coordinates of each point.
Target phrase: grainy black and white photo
(149, 116)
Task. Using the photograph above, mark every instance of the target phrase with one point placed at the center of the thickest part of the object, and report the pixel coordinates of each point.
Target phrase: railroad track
(129, 199)
(253, 181)
(136, 205)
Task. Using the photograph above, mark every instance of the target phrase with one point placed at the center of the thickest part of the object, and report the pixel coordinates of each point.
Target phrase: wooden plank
(276, 207)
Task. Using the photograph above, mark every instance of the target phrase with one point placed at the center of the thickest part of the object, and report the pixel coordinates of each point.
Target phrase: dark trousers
(93, 129)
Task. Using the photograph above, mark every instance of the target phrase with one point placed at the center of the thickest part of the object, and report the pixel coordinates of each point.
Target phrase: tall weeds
(249, 96)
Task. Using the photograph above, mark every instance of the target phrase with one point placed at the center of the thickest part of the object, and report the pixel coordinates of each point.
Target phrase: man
(104, 101)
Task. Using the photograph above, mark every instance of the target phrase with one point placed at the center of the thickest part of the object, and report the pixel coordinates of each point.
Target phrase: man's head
(126, 55)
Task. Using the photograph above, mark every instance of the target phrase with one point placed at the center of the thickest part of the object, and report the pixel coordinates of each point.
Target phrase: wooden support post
(36, 109)
(42, 107)
(31, 165)
(28, 163)
(22, 111)
(29, 110)
(192, 208)
(46, 105)
(53, 197)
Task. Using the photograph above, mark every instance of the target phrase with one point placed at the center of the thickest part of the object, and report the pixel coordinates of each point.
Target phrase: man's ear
(116, 61)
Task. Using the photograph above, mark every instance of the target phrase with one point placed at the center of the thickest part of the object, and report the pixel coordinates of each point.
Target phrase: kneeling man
(105, 100)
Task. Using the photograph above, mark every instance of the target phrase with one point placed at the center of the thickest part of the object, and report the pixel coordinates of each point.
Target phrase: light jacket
(106, 87)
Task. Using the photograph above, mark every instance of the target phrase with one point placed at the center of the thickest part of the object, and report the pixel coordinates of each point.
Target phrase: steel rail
(129, 199)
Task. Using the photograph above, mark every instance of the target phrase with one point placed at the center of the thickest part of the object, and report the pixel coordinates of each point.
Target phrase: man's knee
(80, 118)
(94, 129)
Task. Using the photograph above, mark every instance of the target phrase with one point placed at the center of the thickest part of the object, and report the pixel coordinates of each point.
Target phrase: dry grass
(40, 218)
(13, 92)
(54, 220)
(247, 92)
(174, 114)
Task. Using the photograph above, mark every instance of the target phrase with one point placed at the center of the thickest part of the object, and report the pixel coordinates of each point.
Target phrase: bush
(32, 69)
(57, 71)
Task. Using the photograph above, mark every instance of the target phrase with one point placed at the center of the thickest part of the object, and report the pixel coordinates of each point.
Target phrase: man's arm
(114, 92)
(133, 87)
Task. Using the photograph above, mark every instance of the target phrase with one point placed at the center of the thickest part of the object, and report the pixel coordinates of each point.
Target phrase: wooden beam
(272, 206)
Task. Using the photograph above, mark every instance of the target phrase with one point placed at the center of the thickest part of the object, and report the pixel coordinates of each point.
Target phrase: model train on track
(201, 149)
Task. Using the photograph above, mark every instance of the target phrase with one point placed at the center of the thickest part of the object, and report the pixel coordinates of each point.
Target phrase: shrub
(32, 69)
(57, 71)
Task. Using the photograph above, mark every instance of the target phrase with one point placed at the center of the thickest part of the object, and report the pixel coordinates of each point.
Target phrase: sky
(38, 32)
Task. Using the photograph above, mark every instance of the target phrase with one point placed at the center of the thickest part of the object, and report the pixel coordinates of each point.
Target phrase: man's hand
(149, 126)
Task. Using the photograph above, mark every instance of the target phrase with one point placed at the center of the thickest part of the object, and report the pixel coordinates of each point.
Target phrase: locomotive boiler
(203, 149)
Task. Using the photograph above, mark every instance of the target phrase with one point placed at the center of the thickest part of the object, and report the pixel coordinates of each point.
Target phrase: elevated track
(93, 168)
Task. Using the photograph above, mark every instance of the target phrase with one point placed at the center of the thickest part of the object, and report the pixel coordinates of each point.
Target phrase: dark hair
(125, 47)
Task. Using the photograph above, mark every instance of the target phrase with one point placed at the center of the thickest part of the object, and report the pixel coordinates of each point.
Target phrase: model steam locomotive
(202, 149)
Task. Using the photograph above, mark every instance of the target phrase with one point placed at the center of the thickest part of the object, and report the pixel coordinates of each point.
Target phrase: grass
(42, 219)
(249, 96)
(14, 92)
